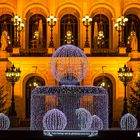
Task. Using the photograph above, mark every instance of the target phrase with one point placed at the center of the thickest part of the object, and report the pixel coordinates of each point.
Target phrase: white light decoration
(4, 122)
(54, 120)
(69, 97)
(97, 123)
(128, 122)
(69, 64)
(84, 118)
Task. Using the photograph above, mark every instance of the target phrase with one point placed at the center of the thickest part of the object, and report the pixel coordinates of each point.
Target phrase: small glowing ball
(84, 118)
(4, 122)
(54, 119)
(97, 123)
(69, 64)
(128, 122)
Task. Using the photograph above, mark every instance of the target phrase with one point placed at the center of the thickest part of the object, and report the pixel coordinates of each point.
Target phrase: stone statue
(134, 42)
(4, 40)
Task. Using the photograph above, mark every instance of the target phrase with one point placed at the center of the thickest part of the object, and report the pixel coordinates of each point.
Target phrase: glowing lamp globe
(69, 64)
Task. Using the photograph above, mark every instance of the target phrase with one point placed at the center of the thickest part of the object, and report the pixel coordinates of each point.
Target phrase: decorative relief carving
(5, 11)
(69, 10)
(36, 10)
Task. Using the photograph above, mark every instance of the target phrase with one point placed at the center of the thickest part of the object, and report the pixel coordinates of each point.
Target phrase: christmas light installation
(84, 118)
(128, 122)
(97, 123)
(54, 119)
(4, 122)
(68, 66)
(69, 97)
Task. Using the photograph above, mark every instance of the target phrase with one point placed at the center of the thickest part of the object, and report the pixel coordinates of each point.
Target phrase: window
(69, 26)
(37, 31)
(132, 24)
(100, 32)
(6, 25)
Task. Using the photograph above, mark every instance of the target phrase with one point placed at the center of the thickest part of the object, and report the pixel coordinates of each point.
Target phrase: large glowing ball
(84, 118)
(4, 122)
(54, 119)
(128, 122)
(69, 64)
(97, 123)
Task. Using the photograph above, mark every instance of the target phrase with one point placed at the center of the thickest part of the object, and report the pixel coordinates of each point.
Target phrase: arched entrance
(105, 82)
(32, 83)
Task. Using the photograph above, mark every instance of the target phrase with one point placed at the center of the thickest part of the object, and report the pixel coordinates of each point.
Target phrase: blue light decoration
(69, 97)
(4, 122)
(68, 66)
(54, 119)
(97, 123)
(128, 122)
(84, 118)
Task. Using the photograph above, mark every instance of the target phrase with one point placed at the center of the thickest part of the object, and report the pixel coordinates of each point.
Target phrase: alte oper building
(31, 30)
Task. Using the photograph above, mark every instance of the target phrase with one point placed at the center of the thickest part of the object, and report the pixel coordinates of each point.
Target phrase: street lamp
(125, 75)
(86, 22)
(119, 26)
(18, 27)
(12, 76)
(51, 22)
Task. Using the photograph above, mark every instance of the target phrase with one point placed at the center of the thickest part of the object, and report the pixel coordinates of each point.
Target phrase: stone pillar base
(4, 54)
(87, 50)
(122, 50)
(134, 54)
(16, 51)
(51, 50)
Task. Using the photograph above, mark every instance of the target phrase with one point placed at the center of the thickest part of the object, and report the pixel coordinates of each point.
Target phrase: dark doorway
(106, 83)
(32, 83)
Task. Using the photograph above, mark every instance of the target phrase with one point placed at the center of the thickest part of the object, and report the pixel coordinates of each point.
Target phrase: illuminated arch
(7, 9)
(37, 7)
(129, 9)
(105, 8)
(66, 8)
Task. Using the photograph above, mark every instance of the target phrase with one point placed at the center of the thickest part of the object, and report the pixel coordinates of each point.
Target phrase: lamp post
(18, 27)
(119, 26)
(125, 75)
(86, 22)
(12, 76)
(51, 22)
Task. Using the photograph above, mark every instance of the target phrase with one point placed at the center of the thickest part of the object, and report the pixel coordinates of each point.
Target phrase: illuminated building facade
(105, 52)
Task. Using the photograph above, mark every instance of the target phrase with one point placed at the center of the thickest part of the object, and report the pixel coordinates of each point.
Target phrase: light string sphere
(69, 64)
(97, 123)
(84, 118)
(4, 122)
(128, 122)
(54, 119)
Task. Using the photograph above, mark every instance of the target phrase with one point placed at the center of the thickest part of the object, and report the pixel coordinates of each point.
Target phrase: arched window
(105, 82)
(32, 83)
(37, 31)
(69, 30)
(6, 25)
(100, 32)
(133, 24)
